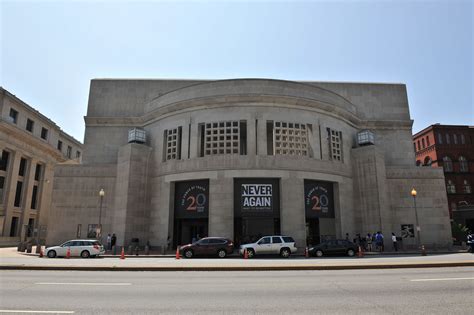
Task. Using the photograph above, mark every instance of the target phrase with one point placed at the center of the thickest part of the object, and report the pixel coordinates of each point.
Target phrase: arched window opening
(467, 187)
(447, 164)
(427, 161)
(463, 166)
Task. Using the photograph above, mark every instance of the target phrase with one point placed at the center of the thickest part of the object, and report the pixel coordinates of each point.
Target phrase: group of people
(373, 242)
(111, 240)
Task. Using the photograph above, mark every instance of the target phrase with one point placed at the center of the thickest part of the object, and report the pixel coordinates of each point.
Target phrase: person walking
(470, 242)
(394, 242)
(379, 240)
(109, 242)
(369, 242)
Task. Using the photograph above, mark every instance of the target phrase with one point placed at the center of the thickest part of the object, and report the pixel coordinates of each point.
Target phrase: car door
(264, 245)
(329, 247)
(76, 247)
(62, 251)
(340, 247)
(277, 243)
(202, 247)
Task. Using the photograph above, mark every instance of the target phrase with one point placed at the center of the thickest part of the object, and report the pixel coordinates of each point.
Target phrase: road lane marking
(82, 283)
(442, 279)
(36, 312)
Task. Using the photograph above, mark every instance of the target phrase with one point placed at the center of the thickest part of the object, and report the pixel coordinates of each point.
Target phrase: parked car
(270, 245)
(208, 246)
(78, 248)
(333, 247)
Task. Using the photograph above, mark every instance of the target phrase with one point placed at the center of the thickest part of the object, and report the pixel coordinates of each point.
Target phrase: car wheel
(350, 252)
(319, 253)
(221, 253)
(188, 253)
(250, 253)
(85, 254)
(285, 252)
(52, 254)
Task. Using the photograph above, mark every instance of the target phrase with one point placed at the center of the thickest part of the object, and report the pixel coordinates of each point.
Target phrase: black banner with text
(318, 199)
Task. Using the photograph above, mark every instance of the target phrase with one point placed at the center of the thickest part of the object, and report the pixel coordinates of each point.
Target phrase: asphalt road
(399, 291)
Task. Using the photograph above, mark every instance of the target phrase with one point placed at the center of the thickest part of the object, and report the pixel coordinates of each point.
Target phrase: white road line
(36, 312)
(442, 279)
(82, 283)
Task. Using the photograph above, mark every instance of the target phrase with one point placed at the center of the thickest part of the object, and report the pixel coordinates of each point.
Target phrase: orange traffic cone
(246, 254)
(177, 253)
(306, 252)
(122, 255)
(360, 253)
(41, 252)
(68, 253)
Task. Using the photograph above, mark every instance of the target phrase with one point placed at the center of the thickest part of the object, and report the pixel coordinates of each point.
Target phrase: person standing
(379, 241)
(369, 242)
(470, 242)
(109, 242)
(394, 242)
(113, 240)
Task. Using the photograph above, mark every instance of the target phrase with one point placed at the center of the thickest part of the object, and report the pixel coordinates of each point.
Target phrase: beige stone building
(30, 146)
(182, 159)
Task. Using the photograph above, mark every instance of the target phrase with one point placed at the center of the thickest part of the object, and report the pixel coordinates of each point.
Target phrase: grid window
(172, 144)
(222, 137)
(44, 133)
(290, 138)
(335, 144)
(29, 125)
(13, 116)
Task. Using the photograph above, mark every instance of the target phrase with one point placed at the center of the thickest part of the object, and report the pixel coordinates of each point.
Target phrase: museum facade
(183, 159)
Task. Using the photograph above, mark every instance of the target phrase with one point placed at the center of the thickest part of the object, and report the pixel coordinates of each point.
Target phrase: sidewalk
(10, 260)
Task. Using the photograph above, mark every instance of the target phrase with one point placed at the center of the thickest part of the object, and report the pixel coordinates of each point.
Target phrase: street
(421, 291)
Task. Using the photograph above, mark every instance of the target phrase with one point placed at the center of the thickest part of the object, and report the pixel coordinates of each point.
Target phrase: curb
(241, 268)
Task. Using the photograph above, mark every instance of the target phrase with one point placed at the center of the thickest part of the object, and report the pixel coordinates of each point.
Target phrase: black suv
(334, 247)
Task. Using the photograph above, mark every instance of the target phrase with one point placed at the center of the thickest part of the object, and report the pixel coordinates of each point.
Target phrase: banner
(192, 199)
(256, 197)
(318, 199)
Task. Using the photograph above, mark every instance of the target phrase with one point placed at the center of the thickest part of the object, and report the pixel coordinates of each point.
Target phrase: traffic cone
(68, 253)
(360, 254)
(306, 252)
(122, 255)
(41, 252)
(177, 253)
(246, 254)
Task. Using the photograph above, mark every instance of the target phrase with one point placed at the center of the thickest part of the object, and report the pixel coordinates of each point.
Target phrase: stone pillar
(292, 210)
(194, 140)
(221, 208)
(262, 137)
(161, 220)
(251, 136)
(185, 140)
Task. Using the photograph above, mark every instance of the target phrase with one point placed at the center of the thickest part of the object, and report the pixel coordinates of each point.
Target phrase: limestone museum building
(182, 159)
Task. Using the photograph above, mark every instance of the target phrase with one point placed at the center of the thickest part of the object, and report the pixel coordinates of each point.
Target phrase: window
(463, 139)
(60, 145)
(466, 187)
(19, 186)
(14, 227)
(44, 133)
(2, 184)
(455, 138)
(450, 187)
(447, 164)
(290, 139)
(92, 230)
(463, 165)
(29, 125)
(13, 116)
(423, 142)
(4, 160)
(31, 226)
(222, 137)
(22, 169)
(427, 141)
(172, 141)
(447, 139)
(288, 239)
(265, 240)
(38, 172)
(78, 154)
(276, 240)
(419, 146)
(335, 144)
(69, 151)
(34, 197)
(440, 138)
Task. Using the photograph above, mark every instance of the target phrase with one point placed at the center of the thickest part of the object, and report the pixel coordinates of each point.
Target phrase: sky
(50, 50)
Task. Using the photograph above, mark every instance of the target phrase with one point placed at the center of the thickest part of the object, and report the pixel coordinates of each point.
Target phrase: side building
(181, 159)
(452, 149)
(30, 146)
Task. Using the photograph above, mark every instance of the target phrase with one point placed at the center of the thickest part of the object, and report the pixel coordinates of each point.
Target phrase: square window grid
(336, 145)
(290, 139)
(172, 144)
(222, 138)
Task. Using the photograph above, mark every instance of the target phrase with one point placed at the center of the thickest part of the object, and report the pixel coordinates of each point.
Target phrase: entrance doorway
(312, 232)
(189, 230)
(250, 229)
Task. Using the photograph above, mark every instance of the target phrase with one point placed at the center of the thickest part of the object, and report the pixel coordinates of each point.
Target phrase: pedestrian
(379, 241)
(394, 242)
(113, 240)
(109, 242)
(470, 242)
(168, 243)
(369, 242)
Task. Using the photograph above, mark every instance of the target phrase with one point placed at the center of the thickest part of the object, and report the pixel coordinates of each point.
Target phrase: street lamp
(413, 194)
(101, 195)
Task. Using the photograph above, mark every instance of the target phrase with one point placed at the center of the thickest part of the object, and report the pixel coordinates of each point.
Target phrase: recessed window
(19, 186)
(44, 133)
(172, 141)
(335, 144)
(78, 154)
(29, 125)
(69, 151)
(447, 164)
(427, 141)
(22, 169)
(427, 161)
(423, 143)
(450, 187)
(13, 116)
(215, 138)
(447, 139)
(463, 139)
(463, 165)
(455, 138)
(34, 197)
(440, 138)
(60, 145)
(4, 160)
(2, 183)
(467, 187)
(38, 172)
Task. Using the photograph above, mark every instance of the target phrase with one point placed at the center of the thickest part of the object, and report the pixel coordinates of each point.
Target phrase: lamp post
(101, 195)
(413, 194)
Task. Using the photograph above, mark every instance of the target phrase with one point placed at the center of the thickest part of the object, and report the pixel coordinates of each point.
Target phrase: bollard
(29, 248)
(130, 250)
(147, 250)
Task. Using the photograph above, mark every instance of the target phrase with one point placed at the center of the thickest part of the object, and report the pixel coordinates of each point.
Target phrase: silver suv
(270, 245)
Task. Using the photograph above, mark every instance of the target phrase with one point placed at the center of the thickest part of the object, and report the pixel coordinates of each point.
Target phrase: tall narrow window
(440, 138)
(455, 138)
(2, 184)
(447, 139)
(463, 164)
(31, 227)
(78, 154)
(419, 145)
(69, 152)
(4, 160)
(29, 125)
(22, 169)
(19, 186)
(172, 144)
(13, 116)
(34, 197)
(447, 164)
(423, 143)
(467, 187)
(335, 144)
(450, 187)
(427, 141)
(38, 172)
(60, 145)
(14, 227)
(44, 133)
(463, 139)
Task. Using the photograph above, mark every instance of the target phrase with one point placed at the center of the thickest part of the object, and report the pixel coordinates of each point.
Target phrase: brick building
(451, 147)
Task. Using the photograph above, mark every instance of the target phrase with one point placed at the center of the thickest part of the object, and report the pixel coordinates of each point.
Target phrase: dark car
(334, 247)
(208, 246)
